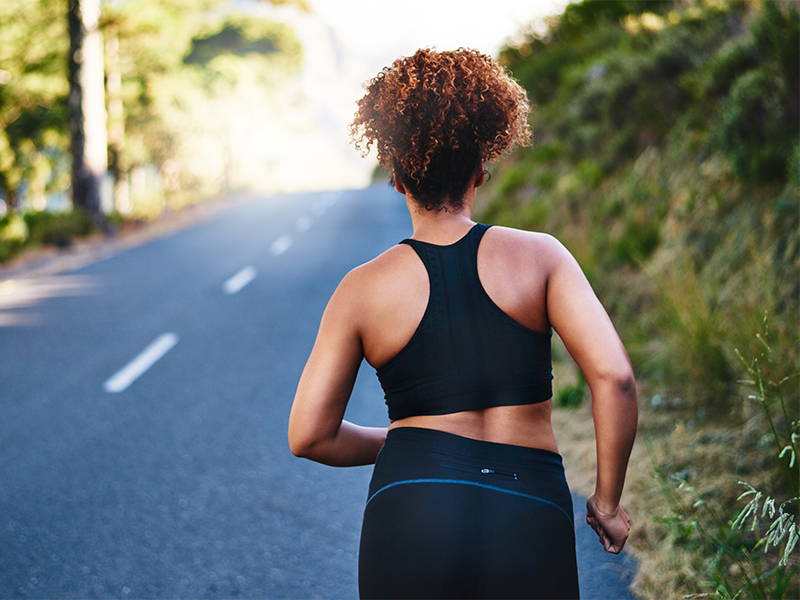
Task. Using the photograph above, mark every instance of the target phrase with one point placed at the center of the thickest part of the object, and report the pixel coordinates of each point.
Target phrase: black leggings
(452, 517)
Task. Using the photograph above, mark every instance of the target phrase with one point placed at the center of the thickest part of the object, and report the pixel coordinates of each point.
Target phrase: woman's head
(435, 117)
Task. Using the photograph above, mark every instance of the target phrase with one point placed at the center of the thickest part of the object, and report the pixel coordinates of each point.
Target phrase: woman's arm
(317, 430)
(588, 334)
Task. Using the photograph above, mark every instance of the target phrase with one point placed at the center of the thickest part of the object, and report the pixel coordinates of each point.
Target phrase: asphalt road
(178, 482)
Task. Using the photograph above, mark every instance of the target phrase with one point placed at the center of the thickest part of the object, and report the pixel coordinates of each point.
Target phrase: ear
(398, 185)
(480, 175)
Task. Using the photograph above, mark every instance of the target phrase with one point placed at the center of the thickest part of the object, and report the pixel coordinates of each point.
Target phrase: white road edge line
(238, 281)
(281, 245)
(146, 359)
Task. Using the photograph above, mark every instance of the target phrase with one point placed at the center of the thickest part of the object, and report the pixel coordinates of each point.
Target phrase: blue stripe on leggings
(465, 482)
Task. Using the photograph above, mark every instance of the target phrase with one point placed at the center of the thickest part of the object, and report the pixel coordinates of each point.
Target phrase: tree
(190, 78)
(51, 116)
(86, 106)
(33, 91)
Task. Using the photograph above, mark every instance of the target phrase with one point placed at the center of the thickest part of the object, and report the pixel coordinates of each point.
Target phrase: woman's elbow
(300, 450)
(617, 381)
(626, 385)
(301, 443)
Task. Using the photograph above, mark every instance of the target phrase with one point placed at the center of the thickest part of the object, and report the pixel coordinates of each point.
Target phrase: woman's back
(392, 293)
(513, 268)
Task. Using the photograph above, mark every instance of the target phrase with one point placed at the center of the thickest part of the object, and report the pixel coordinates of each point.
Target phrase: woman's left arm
(317, 430)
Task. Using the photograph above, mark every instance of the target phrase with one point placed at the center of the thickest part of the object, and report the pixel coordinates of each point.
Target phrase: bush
(637, 242)
(513, 180)
(676, 185)
(13, 234)
(589, 173)
(57, 229)
(749, 555)
(755, 128)
(757, 123)
(571, 395)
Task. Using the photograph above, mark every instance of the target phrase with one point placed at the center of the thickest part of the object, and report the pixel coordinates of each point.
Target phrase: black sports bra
(466, 353)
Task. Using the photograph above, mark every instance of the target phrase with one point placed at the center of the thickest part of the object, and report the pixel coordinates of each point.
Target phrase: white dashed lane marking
(146, 359)
(238, 281)
(281, 245)
(123, 378)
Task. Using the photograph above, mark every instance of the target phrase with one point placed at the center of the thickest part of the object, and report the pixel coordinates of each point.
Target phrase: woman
(468, 498)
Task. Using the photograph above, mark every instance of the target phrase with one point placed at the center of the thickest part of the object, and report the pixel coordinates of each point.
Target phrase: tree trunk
(116, 127)
(87, 107)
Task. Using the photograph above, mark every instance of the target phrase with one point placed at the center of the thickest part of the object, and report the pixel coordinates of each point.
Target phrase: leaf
(791, 450)
(790, 544)
(769, 506)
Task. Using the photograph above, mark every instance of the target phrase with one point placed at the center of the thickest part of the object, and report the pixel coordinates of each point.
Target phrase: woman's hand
(612, 527)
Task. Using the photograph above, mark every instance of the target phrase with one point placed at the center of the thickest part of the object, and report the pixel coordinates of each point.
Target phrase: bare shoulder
(384, 277)
(381, 271)
(382, 301)
(526, 246)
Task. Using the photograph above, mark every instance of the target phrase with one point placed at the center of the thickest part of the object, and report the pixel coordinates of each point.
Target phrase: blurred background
(208, 97)
(666, 157)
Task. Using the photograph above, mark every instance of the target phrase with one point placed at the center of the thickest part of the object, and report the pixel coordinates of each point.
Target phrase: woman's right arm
(317, 430)
(588, 334)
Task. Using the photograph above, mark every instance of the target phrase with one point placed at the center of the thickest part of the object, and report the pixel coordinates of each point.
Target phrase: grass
(711, 500)
(715, 458)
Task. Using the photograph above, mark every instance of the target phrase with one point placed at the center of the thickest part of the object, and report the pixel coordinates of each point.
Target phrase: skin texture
(530, 276)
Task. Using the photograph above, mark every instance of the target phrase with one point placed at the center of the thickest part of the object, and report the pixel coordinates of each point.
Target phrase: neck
(441, 226)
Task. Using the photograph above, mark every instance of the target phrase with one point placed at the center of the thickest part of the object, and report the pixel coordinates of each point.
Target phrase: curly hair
(436, 116)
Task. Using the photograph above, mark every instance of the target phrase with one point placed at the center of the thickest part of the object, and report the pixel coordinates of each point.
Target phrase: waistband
(449, 443)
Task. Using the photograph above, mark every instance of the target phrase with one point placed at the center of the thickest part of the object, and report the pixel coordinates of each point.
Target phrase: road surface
(144, 400)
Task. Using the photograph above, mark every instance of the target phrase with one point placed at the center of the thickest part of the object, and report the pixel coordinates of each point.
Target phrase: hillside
(667, 159)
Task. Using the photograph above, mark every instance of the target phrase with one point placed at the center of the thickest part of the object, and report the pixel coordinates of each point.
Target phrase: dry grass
(711, 456)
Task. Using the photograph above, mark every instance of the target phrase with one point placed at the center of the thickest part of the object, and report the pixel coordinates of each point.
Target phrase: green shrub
(755, 128)
(513, 180)
(546, 179)
(13, 235)
(589, 173)
(637, 242)
(734, 57)
(758, 121)
(57, 229)
(547, 152)
(535, 215)
(749, 554)
(571, 395)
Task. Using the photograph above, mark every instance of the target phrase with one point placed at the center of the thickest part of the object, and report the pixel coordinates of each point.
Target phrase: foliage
(178, 61)
(667, 164)
(13, 234)
(749, 555)
(57, 229)
(238, 37)
(783, 531)
(544, 63)
(667, 159)
(33, 91)
(571, 395)
(759, 118)
(41, 228)
(732, 565)
(767, 382)
(189, 85)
